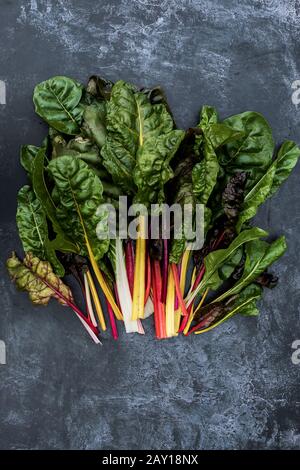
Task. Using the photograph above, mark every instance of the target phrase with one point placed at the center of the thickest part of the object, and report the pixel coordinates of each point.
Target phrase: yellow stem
(184, 266)
(170, 317)
(139, 272)
(102, 283)
(183, 274)
(96, 301)
(95, 266)
(194, 313)
(136, 284)
(141, 301)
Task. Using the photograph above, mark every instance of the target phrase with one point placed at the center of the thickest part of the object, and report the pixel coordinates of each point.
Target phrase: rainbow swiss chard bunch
(108, 140)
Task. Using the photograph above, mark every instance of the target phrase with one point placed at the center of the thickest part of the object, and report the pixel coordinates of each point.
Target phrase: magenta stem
(112, 320)
(70, 304)
(165, 272)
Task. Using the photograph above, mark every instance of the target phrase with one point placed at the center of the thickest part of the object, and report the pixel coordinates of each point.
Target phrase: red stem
(197, 282)
(176, 302)
(199, 277)
(70, 304)
(178, 291)
(112, 320)
(165, 272)
(159, 317)
(155, 304)
(129, 259)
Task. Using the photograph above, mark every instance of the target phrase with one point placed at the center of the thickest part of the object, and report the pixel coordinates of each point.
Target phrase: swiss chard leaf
(205, 173)
(252, 152)
(217, 313)
(27, 156)
(33, 228)
(267, 185)
(31, 222)
(214, 260)
(57, 101)
(259, 256)
(286, 160)
(79, 193)
(62, 242)
(94, 122)
(36, 277)
(140, 143)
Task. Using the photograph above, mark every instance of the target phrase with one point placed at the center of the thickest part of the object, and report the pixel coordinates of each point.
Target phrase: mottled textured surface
(235, 387)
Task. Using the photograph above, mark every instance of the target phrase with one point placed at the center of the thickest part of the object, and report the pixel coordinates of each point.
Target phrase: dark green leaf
(140, 143)
(80, 194)
(57, 102)
(27, 156)
(286, 160)
(33, 228)
(94, 122)
(259, 256)
(254, 151)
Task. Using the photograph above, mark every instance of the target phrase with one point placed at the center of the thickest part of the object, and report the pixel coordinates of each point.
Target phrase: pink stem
(112, 320)
(165, 272)
(176, 302)
(129, 259)
(70, 304)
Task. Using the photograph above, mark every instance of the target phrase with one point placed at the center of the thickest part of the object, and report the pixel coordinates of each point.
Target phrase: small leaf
(27, 156)
(94, 122)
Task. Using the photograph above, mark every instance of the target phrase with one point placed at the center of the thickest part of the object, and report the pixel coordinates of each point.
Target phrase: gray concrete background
(233, 388)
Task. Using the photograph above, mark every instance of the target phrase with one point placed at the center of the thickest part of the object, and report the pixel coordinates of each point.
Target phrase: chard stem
(186, 329)
(88, 299)
(170, 304)
(96, 300)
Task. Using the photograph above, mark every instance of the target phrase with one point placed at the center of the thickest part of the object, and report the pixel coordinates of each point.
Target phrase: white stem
(131, 326)
(89, 300)
(89, 330)
(149, 308)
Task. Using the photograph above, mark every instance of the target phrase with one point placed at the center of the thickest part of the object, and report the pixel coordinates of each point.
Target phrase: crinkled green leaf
(38, 279)
(57, 101)
(31, 222)
(205, 173)
(153, 169)
(254, 151)
(62, 242)
(79, 192)
(140, 143)
(33, 228)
